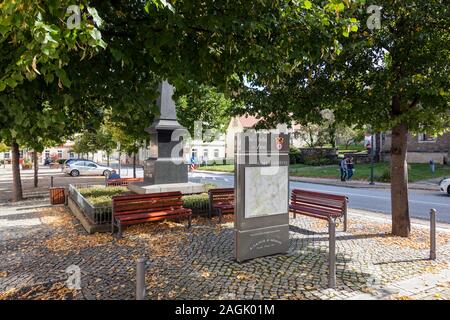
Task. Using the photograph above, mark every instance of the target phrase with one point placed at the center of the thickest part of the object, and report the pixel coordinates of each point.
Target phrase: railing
(96, 215)
(198, 203)
(122, 181)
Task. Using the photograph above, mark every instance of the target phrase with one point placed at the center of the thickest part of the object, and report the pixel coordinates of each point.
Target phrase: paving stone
(202, 266)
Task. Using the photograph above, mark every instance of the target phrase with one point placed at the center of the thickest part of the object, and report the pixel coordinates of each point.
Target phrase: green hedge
(102, 197)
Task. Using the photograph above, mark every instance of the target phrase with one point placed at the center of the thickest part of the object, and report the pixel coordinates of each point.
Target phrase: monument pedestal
(184, 188)
(166, 170)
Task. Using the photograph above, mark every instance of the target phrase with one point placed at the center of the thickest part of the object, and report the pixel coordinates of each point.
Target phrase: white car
(87, 168)
(445, 185)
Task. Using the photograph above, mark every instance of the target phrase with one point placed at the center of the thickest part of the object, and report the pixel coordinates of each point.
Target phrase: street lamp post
(120, 155)
(372, 149)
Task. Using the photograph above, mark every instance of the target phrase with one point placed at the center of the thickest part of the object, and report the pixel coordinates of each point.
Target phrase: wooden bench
(139, 208)
(122, 181)
(221, 201)
(319, 205)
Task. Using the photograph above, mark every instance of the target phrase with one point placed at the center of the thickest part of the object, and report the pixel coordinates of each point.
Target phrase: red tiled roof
(248, 121)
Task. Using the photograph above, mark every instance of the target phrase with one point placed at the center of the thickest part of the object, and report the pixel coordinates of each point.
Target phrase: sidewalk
(429, 286)
(427, 186)
(39, 242)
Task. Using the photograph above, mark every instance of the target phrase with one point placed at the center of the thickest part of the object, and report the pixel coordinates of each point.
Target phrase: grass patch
(342, 148)
(102, 196)
(417, 171)
(221, 168)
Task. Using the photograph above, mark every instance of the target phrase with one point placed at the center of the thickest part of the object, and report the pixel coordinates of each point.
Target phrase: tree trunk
(399, 182)
(134, 165)
(17, 183)
(36, 168)
(107, 158)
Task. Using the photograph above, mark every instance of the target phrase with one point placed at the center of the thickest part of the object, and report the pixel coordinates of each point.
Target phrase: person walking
(350, 168)
(343, 169)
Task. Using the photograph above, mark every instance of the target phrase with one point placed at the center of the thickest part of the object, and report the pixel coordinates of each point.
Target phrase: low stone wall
(315, 155)
(98, 219)
(423, 157)
(87, 225)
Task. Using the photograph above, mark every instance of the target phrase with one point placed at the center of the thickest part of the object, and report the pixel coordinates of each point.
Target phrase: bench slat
(147, 196)
(318, 205)
(127, 223)
(316, 210)
(152, 206)
(140, 216)
(134, 209)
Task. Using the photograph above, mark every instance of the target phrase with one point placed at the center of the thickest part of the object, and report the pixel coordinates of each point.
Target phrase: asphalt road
(379, 200)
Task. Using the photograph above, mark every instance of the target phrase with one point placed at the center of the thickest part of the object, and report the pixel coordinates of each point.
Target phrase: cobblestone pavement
(38, 243)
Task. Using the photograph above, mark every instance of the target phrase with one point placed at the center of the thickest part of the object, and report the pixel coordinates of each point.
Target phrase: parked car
(70, 160)
(86, 168)
(445, 185)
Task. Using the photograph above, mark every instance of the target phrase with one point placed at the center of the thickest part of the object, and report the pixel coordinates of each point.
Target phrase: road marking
(354, 194)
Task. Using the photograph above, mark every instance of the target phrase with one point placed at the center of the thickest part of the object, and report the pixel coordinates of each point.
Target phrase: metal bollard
(433, 234)
(140, 279)
(106, 180)
(332, 253)
(51, 182)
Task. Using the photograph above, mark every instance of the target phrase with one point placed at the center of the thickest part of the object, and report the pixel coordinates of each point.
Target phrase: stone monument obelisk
(164, 167)
(166, 170)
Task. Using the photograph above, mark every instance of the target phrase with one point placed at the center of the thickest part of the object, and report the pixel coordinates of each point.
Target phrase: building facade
(422, 148)
(240, 124)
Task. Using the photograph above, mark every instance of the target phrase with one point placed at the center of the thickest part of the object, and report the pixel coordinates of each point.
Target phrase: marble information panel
(266, 191)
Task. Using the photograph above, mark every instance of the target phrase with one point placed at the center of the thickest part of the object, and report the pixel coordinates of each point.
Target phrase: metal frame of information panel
(266, 233)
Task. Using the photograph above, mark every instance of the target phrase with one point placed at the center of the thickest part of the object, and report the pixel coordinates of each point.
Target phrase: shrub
(294, 155)
(385, 176)
(102, 196)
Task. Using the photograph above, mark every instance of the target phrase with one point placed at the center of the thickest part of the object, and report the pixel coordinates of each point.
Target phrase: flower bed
(96, 201)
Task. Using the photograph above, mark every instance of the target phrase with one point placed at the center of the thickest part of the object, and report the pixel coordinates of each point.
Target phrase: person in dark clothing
(350, 168)
(114, 175)
(343, 169)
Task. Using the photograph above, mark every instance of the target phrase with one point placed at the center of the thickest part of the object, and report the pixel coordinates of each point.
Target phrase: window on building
(205, 153)
(47, 154)
(60, 154)
(21, 154)
(216, 153)
(7, 155)
(71, 155)
(194, 153)
(423, 137)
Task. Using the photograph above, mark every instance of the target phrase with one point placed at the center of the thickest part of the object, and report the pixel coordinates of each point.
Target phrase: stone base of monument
(184, 188)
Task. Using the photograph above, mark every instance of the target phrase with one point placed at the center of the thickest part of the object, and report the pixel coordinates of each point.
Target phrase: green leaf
(97, 20)
(307, 4)
(63, 77)
(95, 34)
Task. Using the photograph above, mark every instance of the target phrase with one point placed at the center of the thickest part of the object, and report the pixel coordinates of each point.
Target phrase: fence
(198, 203)
(95, 215)
(122, 181)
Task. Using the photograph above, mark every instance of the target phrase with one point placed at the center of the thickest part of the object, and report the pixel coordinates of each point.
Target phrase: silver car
(86, 168)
